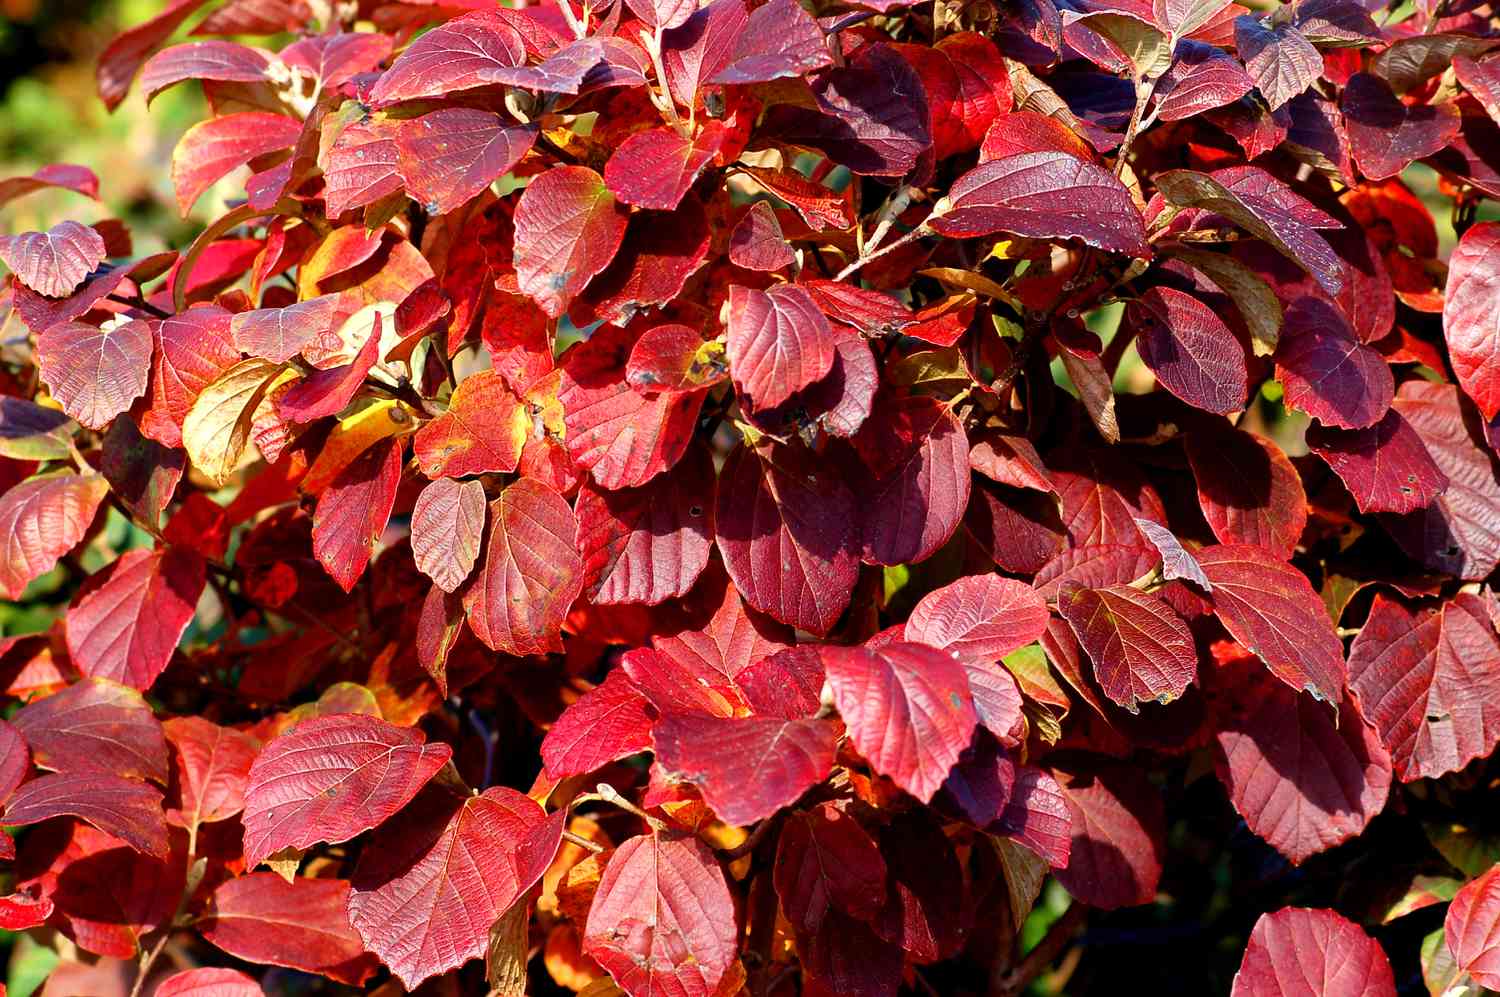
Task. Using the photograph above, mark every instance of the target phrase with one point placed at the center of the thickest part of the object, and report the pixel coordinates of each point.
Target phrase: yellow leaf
(217, 427)
(353, 436)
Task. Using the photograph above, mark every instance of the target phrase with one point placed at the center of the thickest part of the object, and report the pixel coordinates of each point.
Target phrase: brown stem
(1014, 982)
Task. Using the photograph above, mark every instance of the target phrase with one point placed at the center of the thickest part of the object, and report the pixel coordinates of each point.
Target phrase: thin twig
(917, 233)
(1014, 981)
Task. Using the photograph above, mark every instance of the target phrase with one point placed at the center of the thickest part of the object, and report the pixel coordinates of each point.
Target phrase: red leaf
(1028, 131)
(213, 769)
(209, 982)
(331, 778)
(1119, 836)
(142, 473)
(1482, 79)
(471, 51)
(662, 920)
(701, 46)
(1312, 953)
(1386, 135)
(1428, 682)
(623, 438)
(655, 168)
(328, 392)
(779, 342)
(1191, 351)
(15, 760)
(96, 725)
(1301, 781)
(826, 861)
(1457, 533)
(646, 545)
(747, 768)
(908, 709)
(123, 56)
(125, 808)
(1470, 928)
(1271, 608)
(1102, 497)
(674, 358)
(21, 912)
(967, 87)
(352, 512)
(917, 457)
(785, 530)
(778, 40)
(1386, 467)
(334, 58)
(40, 521)
(301, 924)
(1469, 316)
(568, 228)
(531, 572)
(447, 525)
(1093, 566)
(1249, 491)
(1140, 648)
(652, 267)
(757, 243)
(1044, 195)
(606, 723)
(839, 403)
(221, 61)
(483, 431)
(362, 166)
(678, 685)
(192, 349)
(979, 618)
(734, 641)
(127, 628)
(1326, 372)
(1010, 460)
(64, 176)
(69, 355)
(56, 261)
(450, 155)
(432, 881)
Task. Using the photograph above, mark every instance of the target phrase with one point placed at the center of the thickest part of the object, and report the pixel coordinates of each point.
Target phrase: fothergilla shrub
(713, 499)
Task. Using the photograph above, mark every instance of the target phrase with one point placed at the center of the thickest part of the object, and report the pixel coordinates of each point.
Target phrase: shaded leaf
(1386, 467)
(915, 455)
(127, 627)
(826, 861)
(1119, 830)
(125, 808)
(747, 768)
(1191, 351)
(1248, 490)
(352, 512)
(95, 725)
(1140, 648)
(1327, 372)
(300, 924)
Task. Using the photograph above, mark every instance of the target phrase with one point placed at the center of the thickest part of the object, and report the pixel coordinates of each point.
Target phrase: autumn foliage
(712, 499)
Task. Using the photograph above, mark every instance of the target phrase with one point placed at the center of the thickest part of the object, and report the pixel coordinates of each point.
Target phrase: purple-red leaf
(1248, 490)
(433, 880)
(1191, 351)
(40, 521)
(747, 768)
(1472, 928)
(826, 861)
(95, 725)
(221, 61)
(1140, 648)
(72, 357)
(475, 50)
(757, 242)
(450, 155)
(662, 920)
(908, 708)
(779, 342)
(1386, 467)
(1429, 680)
(568, 228)
(916, 457)
(1471, 323)
(980, 618)
(332, 777)
(1297, 952)
(1119, 832)
(778, 40)
(1327, 372)
(649, 544)
(531, 572)
(127, 628)
(213, 769)
(785, 528)
(1044, 195)
(56, 261)
(125, 808)
(1271, 608)
(1281, 61)
(1201, 78)
(1386, 135)
(447, 524)
(209, 982)
(1302, 781)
